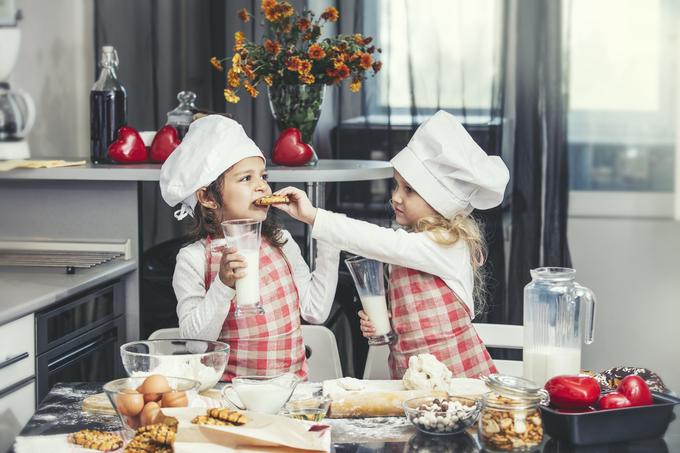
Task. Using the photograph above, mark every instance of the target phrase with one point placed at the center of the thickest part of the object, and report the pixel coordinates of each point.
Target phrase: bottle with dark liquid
(108, 107)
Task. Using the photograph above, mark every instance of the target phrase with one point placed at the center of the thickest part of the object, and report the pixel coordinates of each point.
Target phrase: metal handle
(28, 110)
(80, 351)
(12, 360)
(588, 297)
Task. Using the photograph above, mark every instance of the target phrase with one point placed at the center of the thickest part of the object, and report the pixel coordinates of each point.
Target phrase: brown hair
(466, 228)
(206, 221)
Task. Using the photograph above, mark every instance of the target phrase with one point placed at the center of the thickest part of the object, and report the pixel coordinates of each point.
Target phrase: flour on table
(351, 384)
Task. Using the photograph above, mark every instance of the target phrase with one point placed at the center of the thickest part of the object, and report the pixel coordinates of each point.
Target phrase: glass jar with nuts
(510, 420)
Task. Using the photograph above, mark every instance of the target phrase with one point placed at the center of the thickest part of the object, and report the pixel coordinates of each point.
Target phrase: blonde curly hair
(461, 227)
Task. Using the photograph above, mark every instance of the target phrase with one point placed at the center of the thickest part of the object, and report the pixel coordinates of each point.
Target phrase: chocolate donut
(613, 377)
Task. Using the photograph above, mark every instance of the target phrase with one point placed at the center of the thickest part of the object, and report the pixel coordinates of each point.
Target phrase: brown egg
(150, 414)
(132, 422)
(129, 402)
(174, 399)
(153, 387)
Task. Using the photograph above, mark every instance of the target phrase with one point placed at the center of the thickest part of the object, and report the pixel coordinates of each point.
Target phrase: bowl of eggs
(140, 401)
(201, 360)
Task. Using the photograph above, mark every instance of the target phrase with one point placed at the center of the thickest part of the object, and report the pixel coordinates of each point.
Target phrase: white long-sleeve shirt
(399, 247)
(202, 313)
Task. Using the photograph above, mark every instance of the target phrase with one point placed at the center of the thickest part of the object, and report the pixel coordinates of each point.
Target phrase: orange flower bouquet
(295, 64)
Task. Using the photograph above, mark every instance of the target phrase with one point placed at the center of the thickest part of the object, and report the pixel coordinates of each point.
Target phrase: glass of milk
(368, 278)
(244, 235)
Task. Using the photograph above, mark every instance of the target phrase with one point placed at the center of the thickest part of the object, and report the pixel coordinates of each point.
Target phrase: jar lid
(516, 387)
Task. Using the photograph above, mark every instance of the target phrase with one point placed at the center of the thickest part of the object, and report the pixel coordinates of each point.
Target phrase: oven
(79, 339)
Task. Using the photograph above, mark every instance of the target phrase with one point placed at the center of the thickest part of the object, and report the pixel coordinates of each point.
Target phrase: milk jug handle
(586, 296)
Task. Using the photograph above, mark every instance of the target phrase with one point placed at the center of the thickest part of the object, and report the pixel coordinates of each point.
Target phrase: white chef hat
(212, 145)
(449, 170)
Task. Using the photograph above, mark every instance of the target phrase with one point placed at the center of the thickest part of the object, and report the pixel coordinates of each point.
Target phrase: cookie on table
(97, 440)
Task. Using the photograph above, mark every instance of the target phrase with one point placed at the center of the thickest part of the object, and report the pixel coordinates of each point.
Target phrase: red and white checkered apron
(428, 317)
(271, 343)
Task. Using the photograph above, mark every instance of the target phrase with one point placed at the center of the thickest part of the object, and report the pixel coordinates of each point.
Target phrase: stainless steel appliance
(80, 338)
(17, 110)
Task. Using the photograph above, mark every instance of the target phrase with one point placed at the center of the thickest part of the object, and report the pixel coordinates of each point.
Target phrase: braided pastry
(97, 440)
(159, 433)
(228, 415)
(206, 420)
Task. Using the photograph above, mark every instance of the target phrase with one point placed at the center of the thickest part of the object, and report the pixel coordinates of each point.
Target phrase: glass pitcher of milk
(368, 278)
(557, 313)
(244, 234)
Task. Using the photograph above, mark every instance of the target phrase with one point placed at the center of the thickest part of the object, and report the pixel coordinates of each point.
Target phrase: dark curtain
(540, 167)
(165, 46)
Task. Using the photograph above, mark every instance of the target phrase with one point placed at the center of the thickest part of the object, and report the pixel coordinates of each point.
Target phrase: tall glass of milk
(244, 235)
(558, 317)
(368, 278)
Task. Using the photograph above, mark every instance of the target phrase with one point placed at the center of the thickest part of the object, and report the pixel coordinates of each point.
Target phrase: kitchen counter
(29, 289)
(327, 170)
(60, 413)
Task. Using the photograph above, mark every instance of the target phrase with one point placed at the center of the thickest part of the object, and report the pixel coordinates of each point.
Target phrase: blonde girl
(435, 258)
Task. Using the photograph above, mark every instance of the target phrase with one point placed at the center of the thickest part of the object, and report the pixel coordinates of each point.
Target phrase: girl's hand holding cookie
(299, 208)
(232, 267)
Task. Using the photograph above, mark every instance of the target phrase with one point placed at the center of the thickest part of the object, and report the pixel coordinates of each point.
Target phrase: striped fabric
(428, 317)
(271, 343)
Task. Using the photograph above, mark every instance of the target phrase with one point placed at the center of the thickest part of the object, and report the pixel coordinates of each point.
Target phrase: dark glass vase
(297, 106)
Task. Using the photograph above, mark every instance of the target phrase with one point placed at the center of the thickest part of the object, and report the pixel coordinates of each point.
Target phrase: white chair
(165, 334)
(376, 362)
(493, 336)
(324, 359)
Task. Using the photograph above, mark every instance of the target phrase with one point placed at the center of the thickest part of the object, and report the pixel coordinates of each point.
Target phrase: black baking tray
(613, 425)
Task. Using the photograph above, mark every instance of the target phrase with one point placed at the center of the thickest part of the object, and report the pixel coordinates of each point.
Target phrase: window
(436, 54)
(622, 94)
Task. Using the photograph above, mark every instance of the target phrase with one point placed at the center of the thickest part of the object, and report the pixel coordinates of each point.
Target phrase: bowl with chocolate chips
(442, 416)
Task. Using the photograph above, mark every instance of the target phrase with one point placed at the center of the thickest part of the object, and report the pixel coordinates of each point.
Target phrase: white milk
(540, 364)
(376, 309)
(248, 287)
(266, 398)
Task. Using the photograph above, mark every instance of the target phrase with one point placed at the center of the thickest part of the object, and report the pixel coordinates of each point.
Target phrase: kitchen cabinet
(17, 377)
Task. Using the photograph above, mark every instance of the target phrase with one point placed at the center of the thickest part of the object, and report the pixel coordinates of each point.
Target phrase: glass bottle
(558, 317)
(108, 107)
(182, 116)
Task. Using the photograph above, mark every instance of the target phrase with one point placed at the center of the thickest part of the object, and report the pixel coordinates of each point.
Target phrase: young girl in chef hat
(440, 177)
(217, 173)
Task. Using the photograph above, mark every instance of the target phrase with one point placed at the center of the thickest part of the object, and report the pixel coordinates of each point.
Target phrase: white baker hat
(449, 170)
(211, 146)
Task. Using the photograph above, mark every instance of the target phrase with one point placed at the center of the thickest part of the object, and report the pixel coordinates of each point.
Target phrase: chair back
(324, 359)
(492, 335)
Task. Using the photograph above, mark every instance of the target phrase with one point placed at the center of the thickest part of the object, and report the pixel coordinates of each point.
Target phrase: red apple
(128, 147)
(289, 149)
(613, 400)
(164, 143)
(636, 390)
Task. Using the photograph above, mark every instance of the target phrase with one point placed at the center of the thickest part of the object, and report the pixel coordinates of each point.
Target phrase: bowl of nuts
(442, 416)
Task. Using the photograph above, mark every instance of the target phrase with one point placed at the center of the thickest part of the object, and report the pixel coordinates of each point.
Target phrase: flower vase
(297, 106)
